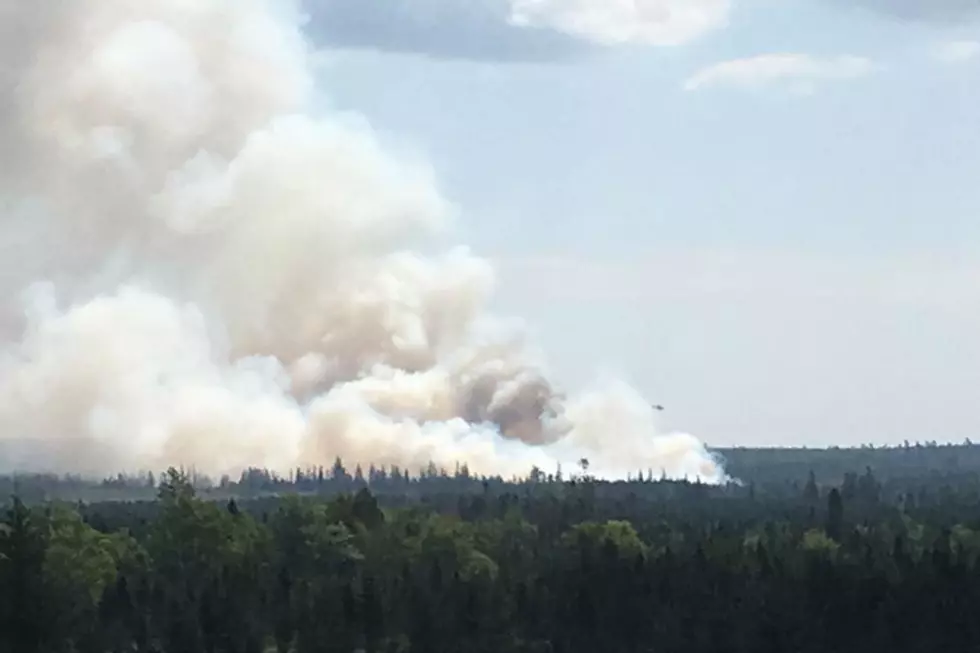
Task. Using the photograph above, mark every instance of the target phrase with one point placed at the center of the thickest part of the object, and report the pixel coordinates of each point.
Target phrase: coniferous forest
(883, 557)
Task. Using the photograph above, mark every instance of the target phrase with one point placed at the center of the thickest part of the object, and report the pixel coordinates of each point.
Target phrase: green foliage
(81, 562)
(619, 534)
(817, 541)
(476, 565)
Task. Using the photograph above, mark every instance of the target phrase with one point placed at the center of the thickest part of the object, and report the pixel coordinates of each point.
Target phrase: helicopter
(657, 407)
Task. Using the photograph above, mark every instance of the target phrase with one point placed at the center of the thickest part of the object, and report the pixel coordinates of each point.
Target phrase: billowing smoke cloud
(202, 269)
(521, 30)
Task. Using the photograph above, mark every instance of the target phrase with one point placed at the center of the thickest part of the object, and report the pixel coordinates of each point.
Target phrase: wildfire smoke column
(204, 267)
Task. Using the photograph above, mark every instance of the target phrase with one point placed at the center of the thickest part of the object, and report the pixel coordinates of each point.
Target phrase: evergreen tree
(835, 515)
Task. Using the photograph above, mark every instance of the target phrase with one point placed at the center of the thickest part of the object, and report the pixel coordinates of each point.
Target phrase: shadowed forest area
(814, 550)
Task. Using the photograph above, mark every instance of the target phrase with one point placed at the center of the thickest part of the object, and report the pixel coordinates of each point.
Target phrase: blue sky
(778, 263)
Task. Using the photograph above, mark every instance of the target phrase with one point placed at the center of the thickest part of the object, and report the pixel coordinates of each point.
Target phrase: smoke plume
(202, 268)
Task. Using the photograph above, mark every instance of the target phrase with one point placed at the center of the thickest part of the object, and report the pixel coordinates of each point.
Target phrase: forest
(810, 550)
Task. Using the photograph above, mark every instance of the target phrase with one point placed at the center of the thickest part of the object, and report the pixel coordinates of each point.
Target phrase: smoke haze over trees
(252, 399)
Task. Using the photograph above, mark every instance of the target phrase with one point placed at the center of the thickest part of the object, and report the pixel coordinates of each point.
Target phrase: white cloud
(957, 51)
(802, 73)
(445, 29)
(615, 22)
(511, 30)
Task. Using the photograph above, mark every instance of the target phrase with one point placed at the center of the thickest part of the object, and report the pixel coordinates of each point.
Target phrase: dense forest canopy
(862, 559)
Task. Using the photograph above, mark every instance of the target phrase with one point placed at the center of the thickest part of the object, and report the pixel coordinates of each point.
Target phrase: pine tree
(22, 550)
(835, 515)
(811, 493)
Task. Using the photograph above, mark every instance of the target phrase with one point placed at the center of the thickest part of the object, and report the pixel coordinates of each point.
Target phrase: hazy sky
(763, 213)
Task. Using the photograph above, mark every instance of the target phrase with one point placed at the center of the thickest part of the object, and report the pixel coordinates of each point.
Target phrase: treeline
(541, 567)
(926, 472)
(318, 480)
(907, 462)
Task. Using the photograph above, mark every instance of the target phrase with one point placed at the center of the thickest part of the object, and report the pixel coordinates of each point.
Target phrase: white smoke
(201, 268)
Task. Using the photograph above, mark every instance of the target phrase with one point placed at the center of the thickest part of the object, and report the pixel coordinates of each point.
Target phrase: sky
(762, 213)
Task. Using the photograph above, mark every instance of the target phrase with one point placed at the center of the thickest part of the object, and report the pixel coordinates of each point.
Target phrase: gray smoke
(204, 269)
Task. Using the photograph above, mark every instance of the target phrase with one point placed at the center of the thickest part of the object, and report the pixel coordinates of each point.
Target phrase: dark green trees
(485, 567)
(835, 514)
(22, 552)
